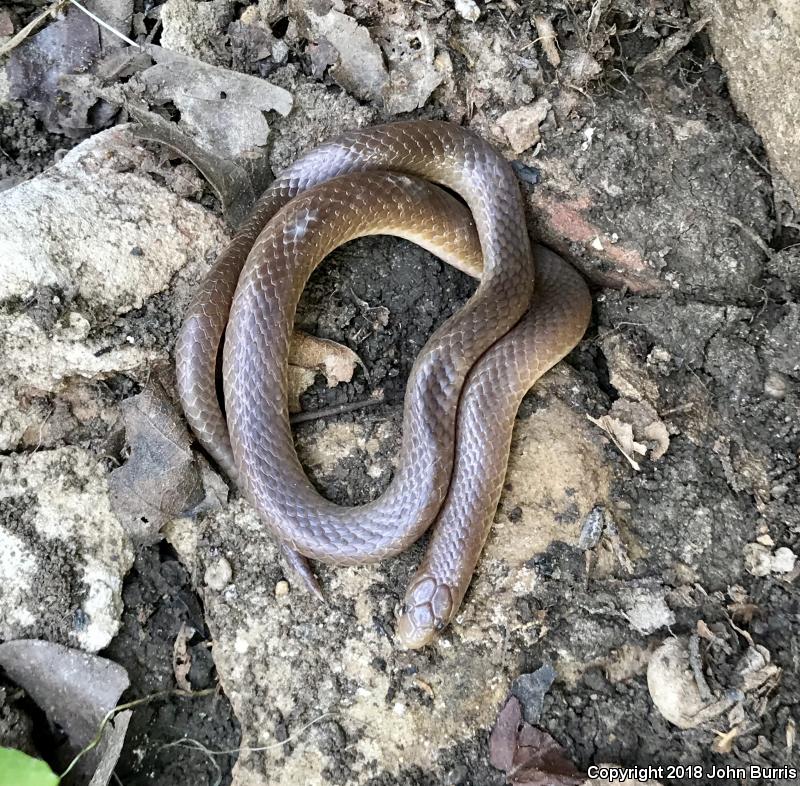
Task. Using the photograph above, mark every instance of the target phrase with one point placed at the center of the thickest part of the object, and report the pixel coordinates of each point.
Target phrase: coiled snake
(463, 392)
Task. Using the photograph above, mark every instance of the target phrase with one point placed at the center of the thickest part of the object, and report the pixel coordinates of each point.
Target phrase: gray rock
(764, 81)
(193, 29)
(531, 689)
(63, 553)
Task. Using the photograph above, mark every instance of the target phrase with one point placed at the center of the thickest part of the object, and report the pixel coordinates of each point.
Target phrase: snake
(448, 190)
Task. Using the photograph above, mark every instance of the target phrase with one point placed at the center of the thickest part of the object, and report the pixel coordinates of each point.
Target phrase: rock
(646, 608)
(89, 239)
(468, 9)
(784, 560)
(286, 664)
(218, 574)
(776, 385)
(761, 561)
(763, 80)
(414, 71)
(122, 239)
(531, 689)
(672, 686)
(63, 554)
(195, 29)
(521, 126)
(757, 559)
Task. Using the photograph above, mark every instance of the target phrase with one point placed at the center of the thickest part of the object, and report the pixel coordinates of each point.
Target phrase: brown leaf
(503, 740)
(309, 355)
(160, 479)
(528, 756)
(540, 761)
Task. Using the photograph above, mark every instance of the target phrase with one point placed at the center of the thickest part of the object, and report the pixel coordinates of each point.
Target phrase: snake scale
(529, 310)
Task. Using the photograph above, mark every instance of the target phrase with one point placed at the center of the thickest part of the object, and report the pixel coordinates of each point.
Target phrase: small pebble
(775, 385)
(765, 540)
(281, 588)
(280, 52)
(218, 574)
(783, 560)
(468, 9)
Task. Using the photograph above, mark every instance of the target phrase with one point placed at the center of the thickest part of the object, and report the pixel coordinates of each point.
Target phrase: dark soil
(159, 599)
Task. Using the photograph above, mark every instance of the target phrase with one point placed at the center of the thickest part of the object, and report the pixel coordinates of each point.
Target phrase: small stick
(336, 409)
(697, 668)
(20, 36)
(128, 706)
(104, 25)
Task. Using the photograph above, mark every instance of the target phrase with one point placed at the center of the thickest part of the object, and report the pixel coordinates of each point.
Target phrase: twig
(547, 35)
(197, 745)
(245, 749)
(617, 544)
(697, 668)
(104, 25)
(757, 239)
(336, 409)
(17, 39)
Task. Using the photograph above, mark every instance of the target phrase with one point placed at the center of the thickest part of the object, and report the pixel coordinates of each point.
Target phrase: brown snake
(464, 388)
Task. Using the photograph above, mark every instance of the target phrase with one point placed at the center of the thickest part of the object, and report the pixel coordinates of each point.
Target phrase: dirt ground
(706, 338)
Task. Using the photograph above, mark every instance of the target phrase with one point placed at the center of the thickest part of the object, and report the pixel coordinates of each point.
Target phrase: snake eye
(438, 625)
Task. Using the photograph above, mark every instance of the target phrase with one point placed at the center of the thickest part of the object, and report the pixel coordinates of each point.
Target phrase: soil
(159, 600)
(730, 473)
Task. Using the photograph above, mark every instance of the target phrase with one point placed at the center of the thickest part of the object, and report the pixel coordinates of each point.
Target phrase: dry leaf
(68, 45)
(528, 756)
(224, 111)
(236, 182)
(503, 739)
(160, 479)
(634, 426)
(546, 35)
(335, 361)
(309, 355)
(182, 658)
(622, 436)
(724, 742)
(669, 47)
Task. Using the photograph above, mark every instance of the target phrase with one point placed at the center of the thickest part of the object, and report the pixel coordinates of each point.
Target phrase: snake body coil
(464, 388)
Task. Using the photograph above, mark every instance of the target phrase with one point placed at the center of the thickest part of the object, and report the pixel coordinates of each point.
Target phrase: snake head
(427, 608)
